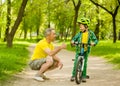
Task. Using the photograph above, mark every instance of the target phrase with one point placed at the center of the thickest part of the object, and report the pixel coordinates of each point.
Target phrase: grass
(106, 49)
(12, 60)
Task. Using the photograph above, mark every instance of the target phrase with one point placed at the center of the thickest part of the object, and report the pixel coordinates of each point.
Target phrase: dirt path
(101, 74)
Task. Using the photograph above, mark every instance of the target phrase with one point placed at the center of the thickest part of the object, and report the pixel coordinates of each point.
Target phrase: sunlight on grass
(23, 42)
(108, 50)
(12, 60)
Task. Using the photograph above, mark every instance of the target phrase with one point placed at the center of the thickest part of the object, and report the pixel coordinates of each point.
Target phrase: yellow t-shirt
(85, 37)
(39, 49)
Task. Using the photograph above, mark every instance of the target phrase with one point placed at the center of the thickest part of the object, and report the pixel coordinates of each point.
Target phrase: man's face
(52, 35)
(82, 27)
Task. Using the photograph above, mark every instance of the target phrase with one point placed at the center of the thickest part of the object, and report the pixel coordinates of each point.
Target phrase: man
(44, 57)
(85, 36)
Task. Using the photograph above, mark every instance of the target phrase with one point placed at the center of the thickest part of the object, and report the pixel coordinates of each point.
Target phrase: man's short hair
(48, 31)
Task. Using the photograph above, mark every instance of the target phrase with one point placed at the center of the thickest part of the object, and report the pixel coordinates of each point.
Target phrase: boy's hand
(92, 44)
(72, 43)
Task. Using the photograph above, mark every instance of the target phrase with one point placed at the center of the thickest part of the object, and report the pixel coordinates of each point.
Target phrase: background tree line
(27, 19)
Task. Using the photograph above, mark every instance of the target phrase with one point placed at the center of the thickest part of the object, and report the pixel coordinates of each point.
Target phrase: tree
(11, 34)
(76, 9)
(97, 29)
(0, 16)
(49, 19)
(8, 18)
(33, 18)
(62, 17)
(113, 13)
(119, 35)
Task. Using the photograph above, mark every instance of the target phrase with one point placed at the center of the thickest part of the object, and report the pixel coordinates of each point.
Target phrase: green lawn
(12, 60)
(106, 49)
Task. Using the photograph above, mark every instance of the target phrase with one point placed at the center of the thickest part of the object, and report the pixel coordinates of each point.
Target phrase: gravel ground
(101, 73)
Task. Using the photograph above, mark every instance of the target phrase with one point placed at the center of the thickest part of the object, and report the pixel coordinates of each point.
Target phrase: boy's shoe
(72, 78)
(38, 78)
(84, 80)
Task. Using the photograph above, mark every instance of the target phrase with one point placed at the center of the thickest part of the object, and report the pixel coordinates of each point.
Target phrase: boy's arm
(94, 39)
(75, 38)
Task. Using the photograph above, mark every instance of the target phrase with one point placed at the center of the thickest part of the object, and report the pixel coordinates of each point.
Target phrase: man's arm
(55, 51)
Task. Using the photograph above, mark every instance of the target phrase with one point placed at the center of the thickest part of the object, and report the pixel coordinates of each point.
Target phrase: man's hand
(63, 46)
(60, 65)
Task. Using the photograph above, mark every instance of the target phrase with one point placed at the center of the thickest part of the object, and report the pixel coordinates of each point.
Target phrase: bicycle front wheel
(78, 75)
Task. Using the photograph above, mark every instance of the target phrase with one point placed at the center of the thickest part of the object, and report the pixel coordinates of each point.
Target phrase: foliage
(12, 60)
(60, 14)
(62, 18)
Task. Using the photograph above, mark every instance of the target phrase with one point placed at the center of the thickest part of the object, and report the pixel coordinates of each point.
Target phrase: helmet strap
(84, 31)
(85, 28)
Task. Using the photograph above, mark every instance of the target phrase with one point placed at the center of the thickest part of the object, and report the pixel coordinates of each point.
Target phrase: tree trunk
(97, 29)
(114, 30)
(0, 17)
(25, 33)
(119, 35)
(98, 23)
(30, 33)
(8, 19)
(76, 7)
(49, 14)
(37, 32)
(0, 32)
(9, 40)
(20, 34)
(24, 27)
(74, 23)
(10, 36)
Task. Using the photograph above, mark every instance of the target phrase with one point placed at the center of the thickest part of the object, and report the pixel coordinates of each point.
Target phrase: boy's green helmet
(84, 21)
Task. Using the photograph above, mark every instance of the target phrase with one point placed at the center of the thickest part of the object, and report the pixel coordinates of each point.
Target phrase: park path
(101, 73)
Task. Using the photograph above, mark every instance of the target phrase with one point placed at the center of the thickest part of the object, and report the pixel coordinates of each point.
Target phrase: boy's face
(82, 27)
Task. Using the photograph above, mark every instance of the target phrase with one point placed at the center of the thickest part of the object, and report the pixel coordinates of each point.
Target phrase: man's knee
(49, 61)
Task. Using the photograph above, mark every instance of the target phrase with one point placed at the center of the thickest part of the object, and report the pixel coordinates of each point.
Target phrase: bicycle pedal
(73, 59)
(87, 77)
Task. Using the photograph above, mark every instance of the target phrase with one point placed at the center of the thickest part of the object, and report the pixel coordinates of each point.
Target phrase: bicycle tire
(78, 75)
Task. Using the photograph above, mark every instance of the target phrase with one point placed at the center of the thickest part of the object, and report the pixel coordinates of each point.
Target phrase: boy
(85, 36)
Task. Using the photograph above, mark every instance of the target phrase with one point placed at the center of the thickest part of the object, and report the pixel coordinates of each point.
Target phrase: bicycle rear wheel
(78, 75)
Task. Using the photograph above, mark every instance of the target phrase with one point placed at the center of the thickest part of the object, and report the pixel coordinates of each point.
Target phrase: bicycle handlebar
(77, 43)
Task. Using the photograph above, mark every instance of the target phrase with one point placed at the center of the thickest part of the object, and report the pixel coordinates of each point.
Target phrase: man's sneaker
(72, 78)
(38, 78)
(44, 77)
(83, 79)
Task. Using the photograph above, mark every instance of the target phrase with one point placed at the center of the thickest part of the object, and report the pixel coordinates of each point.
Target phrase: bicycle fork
(82, 57)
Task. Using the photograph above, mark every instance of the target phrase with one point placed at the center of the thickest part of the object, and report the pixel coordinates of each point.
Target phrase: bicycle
(80, 62)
